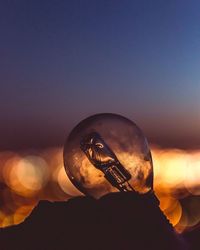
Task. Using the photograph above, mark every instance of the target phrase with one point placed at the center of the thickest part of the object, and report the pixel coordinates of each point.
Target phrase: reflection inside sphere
(102, 157)
(108, 153)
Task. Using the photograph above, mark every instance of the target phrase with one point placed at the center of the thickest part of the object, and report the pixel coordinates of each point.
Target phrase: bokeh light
(176, 183)
(66, 185)
(26, 176)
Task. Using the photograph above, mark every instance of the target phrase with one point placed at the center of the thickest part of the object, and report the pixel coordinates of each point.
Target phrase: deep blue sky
(64, 60)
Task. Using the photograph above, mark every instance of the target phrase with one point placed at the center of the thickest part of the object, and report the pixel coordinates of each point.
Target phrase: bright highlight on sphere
(108, 153)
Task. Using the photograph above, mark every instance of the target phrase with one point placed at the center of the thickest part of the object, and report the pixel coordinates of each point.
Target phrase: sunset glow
(27, 178)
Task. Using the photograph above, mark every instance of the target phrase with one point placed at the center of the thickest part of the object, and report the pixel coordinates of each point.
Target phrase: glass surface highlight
(108, 153)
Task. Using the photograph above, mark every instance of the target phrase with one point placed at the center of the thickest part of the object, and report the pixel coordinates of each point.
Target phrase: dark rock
(117, 221)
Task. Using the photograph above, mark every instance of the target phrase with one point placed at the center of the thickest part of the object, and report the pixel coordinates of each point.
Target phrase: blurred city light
(25, 178)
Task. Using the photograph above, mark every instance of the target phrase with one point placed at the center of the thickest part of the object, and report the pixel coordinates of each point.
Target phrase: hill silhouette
(193, 237)
(116, 221)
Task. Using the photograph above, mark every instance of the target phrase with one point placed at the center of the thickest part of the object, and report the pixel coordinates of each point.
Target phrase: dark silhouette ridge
(116, 221)
(193, 237)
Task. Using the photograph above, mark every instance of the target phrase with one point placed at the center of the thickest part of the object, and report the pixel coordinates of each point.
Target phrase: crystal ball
(108, 153)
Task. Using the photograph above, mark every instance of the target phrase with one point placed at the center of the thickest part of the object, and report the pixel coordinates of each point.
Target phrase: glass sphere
(108, 153)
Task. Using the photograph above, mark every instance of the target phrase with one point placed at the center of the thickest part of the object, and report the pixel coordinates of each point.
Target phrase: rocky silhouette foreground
(116, 221)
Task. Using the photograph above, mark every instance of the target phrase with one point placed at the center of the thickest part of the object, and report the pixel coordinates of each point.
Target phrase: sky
(61, 61)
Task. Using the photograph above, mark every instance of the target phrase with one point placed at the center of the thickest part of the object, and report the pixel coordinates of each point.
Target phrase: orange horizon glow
(29, 177)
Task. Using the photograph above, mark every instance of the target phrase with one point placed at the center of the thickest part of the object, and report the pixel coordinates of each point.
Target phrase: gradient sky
(64, 60)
